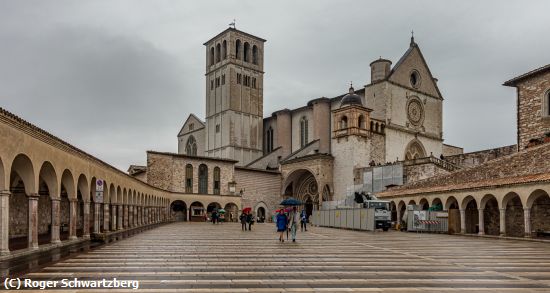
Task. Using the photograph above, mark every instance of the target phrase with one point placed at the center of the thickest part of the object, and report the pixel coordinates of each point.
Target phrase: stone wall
(532, 121)
(480, 157)
(418, 172)
(259, 186)
(19, 214)
(44, 214)
(540, 213)
(451, 150)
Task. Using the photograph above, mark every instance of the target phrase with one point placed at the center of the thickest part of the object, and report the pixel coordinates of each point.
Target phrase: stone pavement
(201, 257)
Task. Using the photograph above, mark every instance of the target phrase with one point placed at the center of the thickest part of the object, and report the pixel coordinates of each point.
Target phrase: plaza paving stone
(202, 257)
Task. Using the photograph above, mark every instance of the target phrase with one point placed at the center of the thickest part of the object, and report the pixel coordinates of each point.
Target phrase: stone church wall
(423, 171)
(259, 186)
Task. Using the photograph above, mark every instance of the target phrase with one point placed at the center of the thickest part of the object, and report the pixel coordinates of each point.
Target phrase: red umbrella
(247, 210)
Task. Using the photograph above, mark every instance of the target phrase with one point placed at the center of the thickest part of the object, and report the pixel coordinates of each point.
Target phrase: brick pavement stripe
(200, 257)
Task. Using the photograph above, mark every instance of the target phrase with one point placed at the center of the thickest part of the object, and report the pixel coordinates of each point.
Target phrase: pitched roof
(514, 81)
(527, 166)
(202, 124)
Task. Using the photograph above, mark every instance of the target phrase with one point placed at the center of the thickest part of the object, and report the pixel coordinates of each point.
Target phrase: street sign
(99, 185)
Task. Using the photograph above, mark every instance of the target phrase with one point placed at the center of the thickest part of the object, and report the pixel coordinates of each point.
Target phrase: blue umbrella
(291, 201)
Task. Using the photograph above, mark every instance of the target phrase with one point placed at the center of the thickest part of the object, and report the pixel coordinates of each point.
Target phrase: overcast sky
(117, 78)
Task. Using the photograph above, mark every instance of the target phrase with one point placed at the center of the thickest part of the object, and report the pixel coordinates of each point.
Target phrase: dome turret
(351, 98)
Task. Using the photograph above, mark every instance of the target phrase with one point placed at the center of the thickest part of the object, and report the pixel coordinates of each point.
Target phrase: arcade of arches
(516, 212)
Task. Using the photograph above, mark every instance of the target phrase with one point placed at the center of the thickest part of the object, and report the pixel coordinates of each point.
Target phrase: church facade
(314, 152)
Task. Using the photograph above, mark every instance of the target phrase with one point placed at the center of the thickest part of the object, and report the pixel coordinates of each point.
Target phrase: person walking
(281, 220)
(303, 222)
(214, 217)
(243, 221)
(250, 221)
(293, 219)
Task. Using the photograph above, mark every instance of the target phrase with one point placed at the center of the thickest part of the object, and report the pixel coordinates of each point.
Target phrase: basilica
(319, 152)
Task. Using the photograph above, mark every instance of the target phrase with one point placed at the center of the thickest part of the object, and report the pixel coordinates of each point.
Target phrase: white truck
(382, 213)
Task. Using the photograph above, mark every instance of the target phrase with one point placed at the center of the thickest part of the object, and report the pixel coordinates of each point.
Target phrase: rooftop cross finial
(351, 90)
(412, 38)
(233, 24)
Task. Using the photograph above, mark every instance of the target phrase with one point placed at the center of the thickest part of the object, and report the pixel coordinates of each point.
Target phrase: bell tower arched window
(254, 54)
(212, 56)
(191, 146)
(361, 122)
(224, 50)
(344, 122)
(246, 52)
(238, 49)
(218, 52)
(303, 131)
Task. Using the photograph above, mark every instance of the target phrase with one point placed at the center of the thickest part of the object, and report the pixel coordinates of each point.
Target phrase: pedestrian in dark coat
(242, 218)
(250, 221)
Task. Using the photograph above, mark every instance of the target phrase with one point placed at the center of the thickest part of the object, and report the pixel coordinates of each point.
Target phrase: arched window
(254, 54)
(344, 122)
(361, 122)
(218, 52)
(382, 127)
(303, 131)
(238, 49)
(216, 180)
(376, 127)
(372, 126)
(246, 52)
(203, 179)
(189, 178)
(191, 146)
(224, 50)
(546, 104)
(269, 140)
(212, 56)
(415, 150)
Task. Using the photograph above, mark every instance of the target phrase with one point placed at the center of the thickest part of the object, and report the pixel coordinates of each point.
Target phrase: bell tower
(234, 96)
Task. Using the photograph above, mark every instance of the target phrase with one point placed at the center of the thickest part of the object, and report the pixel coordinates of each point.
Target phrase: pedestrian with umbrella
(242, 218)
(282, 222)
(293, 216)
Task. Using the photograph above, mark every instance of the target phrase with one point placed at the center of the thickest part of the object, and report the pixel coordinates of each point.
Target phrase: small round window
(415, 79)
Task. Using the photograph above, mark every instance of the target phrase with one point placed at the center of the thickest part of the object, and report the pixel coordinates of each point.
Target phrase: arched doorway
(178, 211)
(471, 214)
(451, 205)
(231, 212)
(424, 204)
(214, 206)
(539, 201)
(260, 214)
(196, 212)
(491, 215)
(302, 185)
(514, 218)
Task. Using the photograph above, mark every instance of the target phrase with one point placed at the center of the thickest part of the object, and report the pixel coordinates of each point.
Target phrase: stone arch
(514, 215)
(437, 204)
(246, 52)
(262, 211)
(412, 202)
(451, 203)
(196, 212)
(213, 206)
(83, 198)
(491, 214)
(178, 210)
(424, 204)
(254, 54)
(471, 214)
(47, 190)
(393, 210)
(238, 49)
(414, 150)
(538, 204)
(218, 52)
(224, 49)
(118, 195)
(231, 212)
(2, 176)
(302, 183)
(22, 168)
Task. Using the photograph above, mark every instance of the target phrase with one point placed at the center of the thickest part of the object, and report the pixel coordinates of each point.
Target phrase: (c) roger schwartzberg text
(19, 283)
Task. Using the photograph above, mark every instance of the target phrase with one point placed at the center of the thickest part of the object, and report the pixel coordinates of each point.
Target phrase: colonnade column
(33, 221)
(113, 217)
(119, 217)
(106, 217)
(140, 216)
(86, 220)
(527, 220)
(481, 222)
(130, 216)
(96, 217)
(72, 218)
(56, 219)
(462, 221)
(136, 216)
(502, 222)
(4, 222)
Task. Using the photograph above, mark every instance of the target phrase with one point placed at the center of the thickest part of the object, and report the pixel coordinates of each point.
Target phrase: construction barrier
(427, 221)
(352, 218)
